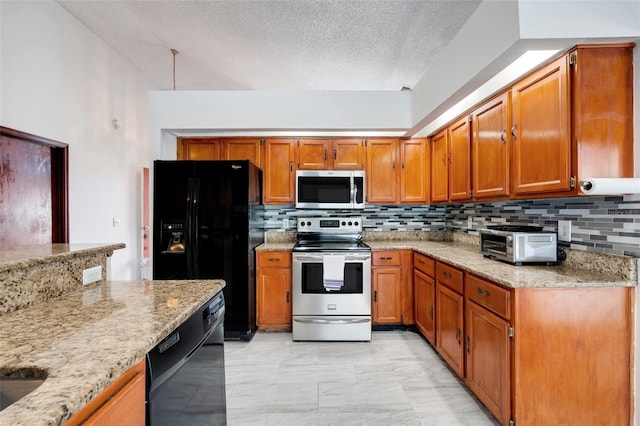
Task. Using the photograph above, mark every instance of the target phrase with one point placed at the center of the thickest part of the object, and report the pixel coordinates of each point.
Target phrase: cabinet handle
(444, 159)
(335, 154)
(483, 292)
(431, 313)
(421, 262)
(467, 343)
(375, 296)
(386, 258)
(503, 136)
(325, 154)
(287, 297)
(446, 274)
(449, 158)
(458, 337)
(290, 166)
(513, 132)
(274, 259)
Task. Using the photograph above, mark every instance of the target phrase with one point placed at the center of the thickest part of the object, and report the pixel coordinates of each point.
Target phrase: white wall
(59, 80)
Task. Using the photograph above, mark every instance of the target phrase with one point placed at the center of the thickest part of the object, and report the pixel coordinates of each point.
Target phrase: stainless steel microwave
(330, 189)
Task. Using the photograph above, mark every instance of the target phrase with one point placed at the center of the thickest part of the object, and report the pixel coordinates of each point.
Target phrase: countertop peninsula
(88, 336)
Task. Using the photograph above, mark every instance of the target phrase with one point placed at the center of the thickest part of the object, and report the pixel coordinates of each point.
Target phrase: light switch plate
(564, 230)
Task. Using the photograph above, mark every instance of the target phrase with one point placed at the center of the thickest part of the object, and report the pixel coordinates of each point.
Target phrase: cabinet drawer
(449, 276)
(424, 264)
(489, 295)
(386, 258)
(272, 259)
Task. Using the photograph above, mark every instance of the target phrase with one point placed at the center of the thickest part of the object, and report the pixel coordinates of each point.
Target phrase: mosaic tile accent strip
(604, 224)
(375, 218)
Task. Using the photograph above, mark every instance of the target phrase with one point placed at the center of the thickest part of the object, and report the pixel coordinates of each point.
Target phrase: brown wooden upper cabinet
(490, 148)
(451, 163)
(459, 161)
(199, 149)
(330, 154)
(382, 170)
(244, 149)
(439, 167)
(279, 171)
(414, 171)
(573, 119)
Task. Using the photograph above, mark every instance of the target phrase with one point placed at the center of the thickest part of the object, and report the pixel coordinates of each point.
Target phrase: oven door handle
(332, 321)
(311, 257)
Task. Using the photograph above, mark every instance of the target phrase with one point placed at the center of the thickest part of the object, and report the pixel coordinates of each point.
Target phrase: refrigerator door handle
(192, 228)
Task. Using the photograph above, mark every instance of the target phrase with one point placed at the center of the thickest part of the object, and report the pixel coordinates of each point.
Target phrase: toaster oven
(519, 244)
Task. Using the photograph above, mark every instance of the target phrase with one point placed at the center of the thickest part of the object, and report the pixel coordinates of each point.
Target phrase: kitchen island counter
(87, 337)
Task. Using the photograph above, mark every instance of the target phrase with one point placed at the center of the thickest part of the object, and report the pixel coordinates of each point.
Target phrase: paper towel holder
(609, 186)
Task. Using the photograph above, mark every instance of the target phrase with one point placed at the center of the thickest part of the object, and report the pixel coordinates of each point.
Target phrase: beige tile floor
(396, 379)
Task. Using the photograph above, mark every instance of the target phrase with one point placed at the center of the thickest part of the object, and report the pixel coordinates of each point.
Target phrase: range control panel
(330, 224)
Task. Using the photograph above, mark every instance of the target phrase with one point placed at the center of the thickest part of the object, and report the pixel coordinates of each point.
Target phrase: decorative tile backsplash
(375, 218)
(608, 224)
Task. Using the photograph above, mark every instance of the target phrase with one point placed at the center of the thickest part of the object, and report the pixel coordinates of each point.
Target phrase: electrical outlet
(91, 275)
(564, 230)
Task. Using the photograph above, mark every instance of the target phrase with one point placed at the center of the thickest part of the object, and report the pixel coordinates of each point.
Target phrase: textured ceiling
(277, 45)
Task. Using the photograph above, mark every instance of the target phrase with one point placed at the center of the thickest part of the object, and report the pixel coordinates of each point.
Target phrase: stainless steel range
(331, 280)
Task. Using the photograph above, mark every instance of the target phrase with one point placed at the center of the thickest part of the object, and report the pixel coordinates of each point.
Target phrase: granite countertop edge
(469, 258)
(29, 256)
(78, 352)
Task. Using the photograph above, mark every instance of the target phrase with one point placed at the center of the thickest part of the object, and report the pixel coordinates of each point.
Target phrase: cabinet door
(449, 326)
(490, 143)
(439, 168)
(414, 174)
(382, 171)
(243, 149)
(488, 360)
(541, 132)
(459, 159)
(313, 154)
(274, 297)
(424, 288)
(198, 149)
(386, 304)
(348, 154)
(122, 402)
(279, 175)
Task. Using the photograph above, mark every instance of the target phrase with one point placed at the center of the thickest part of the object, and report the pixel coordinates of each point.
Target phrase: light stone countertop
(277, 246)
(88, 337)
(469, 258)
(32, 255)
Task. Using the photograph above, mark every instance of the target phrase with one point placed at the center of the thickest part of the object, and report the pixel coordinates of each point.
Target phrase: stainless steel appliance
(518, 244)
(331, 297)
(208, 220)
(185, 372)
(330, 189)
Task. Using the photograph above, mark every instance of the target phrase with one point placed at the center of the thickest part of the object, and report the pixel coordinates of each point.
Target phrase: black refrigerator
(208, 218)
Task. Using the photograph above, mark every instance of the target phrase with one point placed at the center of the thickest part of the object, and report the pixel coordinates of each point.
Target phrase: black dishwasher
(185, 372)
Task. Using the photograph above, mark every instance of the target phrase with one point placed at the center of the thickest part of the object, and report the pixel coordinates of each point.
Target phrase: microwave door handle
(354, 191)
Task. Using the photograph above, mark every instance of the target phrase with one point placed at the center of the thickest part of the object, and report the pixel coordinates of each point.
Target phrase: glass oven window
(312, 279)
(324, 189)
(494, 243)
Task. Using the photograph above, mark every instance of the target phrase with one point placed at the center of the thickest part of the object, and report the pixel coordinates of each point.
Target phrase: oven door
(310, 296)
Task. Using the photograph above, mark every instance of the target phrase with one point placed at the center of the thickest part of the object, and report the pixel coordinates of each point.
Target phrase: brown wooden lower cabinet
(273, 290)
(488, 344)
(121, 403)
(534, 356)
